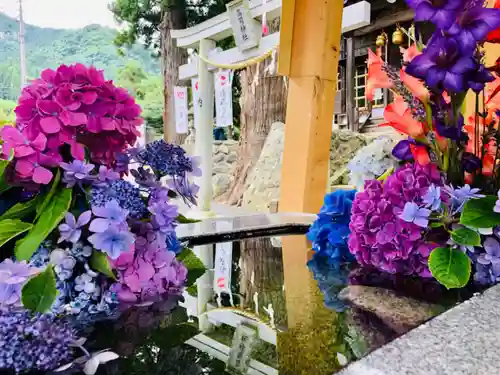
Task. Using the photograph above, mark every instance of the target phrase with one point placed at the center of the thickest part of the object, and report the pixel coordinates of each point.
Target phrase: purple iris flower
(113, 242)
(470, 162)
(412, 213)
(442, 66)
(477, 78)
(473, 25)
(441, 13)
(453, 130)
(432, 199)
(402, 150)
(71, 230)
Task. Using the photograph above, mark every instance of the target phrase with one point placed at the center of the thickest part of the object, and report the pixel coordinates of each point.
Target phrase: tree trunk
(172, 57)
(263, 102)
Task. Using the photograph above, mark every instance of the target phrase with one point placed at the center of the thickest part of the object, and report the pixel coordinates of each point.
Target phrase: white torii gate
(203, 37)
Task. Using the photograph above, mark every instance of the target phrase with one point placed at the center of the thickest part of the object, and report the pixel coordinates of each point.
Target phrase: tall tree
(263, 102)
(151, 21)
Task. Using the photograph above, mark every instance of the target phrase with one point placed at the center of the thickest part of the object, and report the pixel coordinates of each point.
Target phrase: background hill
(48, 48)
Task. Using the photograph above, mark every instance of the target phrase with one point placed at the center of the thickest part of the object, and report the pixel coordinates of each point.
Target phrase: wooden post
(309, 53)
(349, 81)
(204, 132)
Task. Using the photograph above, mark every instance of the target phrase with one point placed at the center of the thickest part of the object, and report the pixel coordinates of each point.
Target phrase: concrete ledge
(462, 341)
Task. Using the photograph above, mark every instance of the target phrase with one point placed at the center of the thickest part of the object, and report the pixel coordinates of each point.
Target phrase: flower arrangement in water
(437, 214)
(87, 223)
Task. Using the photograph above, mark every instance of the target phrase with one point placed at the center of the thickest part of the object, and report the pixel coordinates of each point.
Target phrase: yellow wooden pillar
(309, 52)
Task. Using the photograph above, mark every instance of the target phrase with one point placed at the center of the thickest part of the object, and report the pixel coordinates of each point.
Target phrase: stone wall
(263, 185)
(224, 158)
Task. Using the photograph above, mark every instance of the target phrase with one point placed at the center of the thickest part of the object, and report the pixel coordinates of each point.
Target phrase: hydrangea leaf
(21, 210)
(451, 267)
(194, 265)
(181, 219)
(51, 217)
(40, 292)
(12, 228)
(99, 262)
(478, 213)
(466, 236)
(50, 194)
(4, 186)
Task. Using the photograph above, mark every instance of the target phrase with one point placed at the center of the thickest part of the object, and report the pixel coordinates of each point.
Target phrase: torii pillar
(309, 53)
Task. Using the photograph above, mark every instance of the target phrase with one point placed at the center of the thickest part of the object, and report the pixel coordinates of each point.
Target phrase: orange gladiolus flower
(420, 154)
(409, 53)
(377, 78)
(399, 116)
(416, 86)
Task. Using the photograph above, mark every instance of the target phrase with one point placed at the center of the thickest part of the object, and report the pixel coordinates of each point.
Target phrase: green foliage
(195, 267)
(12, 228)
(181, 219)
(99, 262)
(47, 199)
(478, 213)
(466, 236)
(48, 48)
(451, 267)
(52, 216)
(40, 292)
(21, 210)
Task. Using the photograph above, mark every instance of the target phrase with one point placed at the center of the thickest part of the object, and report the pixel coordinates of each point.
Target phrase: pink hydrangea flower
(76, 106)
(151, 274)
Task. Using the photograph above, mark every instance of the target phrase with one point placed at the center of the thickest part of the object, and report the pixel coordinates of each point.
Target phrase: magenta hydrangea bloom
(379, 237)
(149, 274)
(75, 106)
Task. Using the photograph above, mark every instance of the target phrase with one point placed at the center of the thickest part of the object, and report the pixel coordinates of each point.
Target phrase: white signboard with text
(195, 90)
(247, 31)
(181, 109)
(223, 98)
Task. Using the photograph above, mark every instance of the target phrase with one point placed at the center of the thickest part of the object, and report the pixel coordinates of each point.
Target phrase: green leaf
(181, 219)
(478, 213)
(40, 292)
(4, 186)
(51, 217)
(12, 228)
(21, 210)
(3, 166)
(450, 267)
(466, 236)
(192, 290)
(50, 194)
(195, 267)
(99, 262)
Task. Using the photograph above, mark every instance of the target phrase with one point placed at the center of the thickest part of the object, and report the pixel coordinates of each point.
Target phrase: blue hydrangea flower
(432, 199)
(127, 195)
(330, 232)
(166, 159)
(460, 196)
(412, 213)
(113, 242)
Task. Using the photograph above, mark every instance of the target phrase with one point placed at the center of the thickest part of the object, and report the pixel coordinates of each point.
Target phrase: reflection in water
(300, 328)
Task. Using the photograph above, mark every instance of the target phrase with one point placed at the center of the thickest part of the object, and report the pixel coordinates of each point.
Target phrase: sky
(66, 14)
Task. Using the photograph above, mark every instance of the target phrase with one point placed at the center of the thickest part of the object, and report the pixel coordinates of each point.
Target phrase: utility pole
(22, 49)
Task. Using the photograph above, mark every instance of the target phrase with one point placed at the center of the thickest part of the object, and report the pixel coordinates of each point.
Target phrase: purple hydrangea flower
(106, 176)
(442, 66)
(113, 241)
(34, 342)
(432, 199)
(412, 213)
(497, 204)
(440, 12)
(13, 275)
(71, 229)
(164, 216)
(379, 238)
(76, 172)
(460, 196)
(492, 254)
(111, 215)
